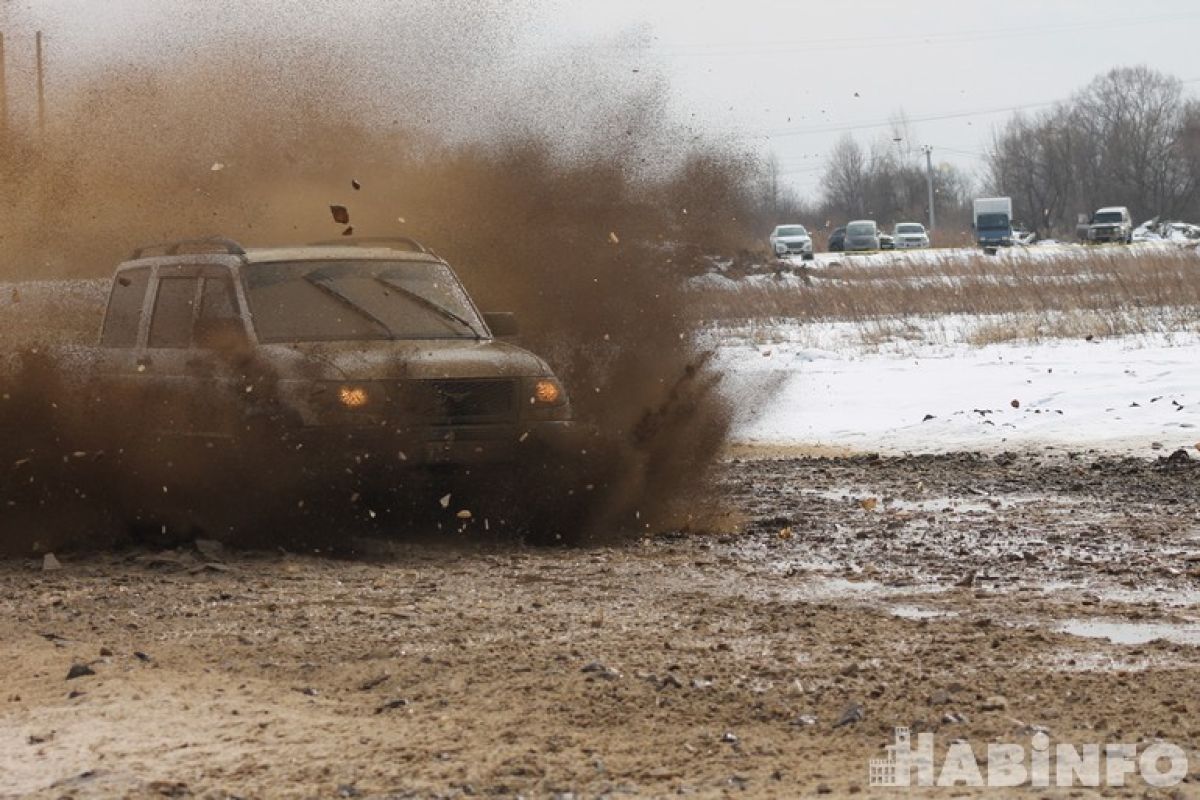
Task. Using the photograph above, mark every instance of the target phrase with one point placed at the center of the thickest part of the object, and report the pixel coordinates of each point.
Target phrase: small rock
(392, 704)
(804, 721)
(953, 718)
(701, 683)
(348, 790)
(995, 703)
(669, 681)
(729, 737)
(600, 670)
(105, 652)
(824, 788)
(852, 714)
(50, 563)
(140, 656)
(79, 671)
(940, 698)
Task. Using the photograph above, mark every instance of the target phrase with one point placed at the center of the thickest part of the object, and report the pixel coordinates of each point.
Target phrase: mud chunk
(50, 563)
(341, 214)
(599, 670)
(79, 671)
(997, 702)
(210, 549)
(852, 714)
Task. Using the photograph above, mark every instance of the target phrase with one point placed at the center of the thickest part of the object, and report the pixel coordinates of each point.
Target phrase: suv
(368, 346)
(862, 235)
(788, 240)
(1112, 224)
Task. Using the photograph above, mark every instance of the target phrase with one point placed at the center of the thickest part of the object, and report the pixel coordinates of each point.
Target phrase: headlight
(546, 392)
(353, 396)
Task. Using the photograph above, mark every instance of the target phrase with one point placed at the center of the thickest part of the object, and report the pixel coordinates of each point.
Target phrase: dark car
(837, 240)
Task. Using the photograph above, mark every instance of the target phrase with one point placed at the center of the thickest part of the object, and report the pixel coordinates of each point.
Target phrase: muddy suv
(369, 345)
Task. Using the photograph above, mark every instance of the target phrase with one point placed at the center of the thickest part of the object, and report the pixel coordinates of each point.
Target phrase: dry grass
(1102, 293)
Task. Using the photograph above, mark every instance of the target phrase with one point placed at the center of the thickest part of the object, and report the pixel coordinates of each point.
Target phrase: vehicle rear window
(791, 230)
(125, 309)
(861, 229)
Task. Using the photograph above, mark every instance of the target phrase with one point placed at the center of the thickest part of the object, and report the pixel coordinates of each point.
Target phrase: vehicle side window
(219, 325)
(218, 301)
(174, 309)
(125, 309)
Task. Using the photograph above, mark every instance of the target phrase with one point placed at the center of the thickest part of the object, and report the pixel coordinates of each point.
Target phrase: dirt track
(927, 592)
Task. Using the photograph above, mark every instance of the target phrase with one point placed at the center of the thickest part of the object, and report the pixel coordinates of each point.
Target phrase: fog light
(353, 396)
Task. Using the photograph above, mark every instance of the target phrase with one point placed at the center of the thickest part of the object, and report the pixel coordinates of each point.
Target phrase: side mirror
(502, 323)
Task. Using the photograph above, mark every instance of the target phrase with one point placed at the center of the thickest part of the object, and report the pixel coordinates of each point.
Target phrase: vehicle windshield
(860, 229)
(910, 228)
(329, 301)
(1108, 216)
(791, 230)
(991, 222)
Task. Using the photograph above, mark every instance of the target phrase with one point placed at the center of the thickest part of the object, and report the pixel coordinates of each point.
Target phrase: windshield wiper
(425, 302)
(325, 284)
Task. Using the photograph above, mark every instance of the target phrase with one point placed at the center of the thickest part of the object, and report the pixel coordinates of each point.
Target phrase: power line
(922, 39)
(779, 132)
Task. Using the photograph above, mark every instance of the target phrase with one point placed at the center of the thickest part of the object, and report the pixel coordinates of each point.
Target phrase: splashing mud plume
(575, 229)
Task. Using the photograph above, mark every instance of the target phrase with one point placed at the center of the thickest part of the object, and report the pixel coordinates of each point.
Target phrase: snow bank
(1119, 395)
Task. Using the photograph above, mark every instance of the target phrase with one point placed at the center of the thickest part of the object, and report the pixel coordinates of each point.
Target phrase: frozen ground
(1135, 394)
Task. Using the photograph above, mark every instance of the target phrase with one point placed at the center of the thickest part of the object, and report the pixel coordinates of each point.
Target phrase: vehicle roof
(898, 224)
(1110, 208)
(789, 225)
(861, 222)
(269, 255)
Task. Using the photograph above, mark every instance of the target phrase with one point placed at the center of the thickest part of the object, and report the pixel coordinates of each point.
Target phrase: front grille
(454, 401)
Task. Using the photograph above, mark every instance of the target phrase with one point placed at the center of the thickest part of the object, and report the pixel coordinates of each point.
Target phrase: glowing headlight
(546, 392)
(353, 396)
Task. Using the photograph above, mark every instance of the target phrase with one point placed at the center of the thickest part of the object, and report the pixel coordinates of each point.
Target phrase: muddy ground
(848, 596)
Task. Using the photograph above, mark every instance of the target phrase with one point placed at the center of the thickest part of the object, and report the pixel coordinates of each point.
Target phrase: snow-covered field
(1137, 395)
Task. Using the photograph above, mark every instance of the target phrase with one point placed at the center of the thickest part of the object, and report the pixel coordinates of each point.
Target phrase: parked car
(792, 240)
(862, 235)
(886, 242)
(837, 240)
(1111, 224)
(910, 235)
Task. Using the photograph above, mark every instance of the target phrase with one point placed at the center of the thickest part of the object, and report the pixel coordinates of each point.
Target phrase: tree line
(1131, 137)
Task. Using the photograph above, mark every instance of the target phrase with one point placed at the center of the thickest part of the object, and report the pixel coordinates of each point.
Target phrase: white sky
(780, 76)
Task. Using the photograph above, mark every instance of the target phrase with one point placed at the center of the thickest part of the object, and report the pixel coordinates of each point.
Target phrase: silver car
(862, 235)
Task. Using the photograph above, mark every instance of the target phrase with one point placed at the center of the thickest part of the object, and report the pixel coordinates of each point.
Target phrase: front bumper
(449, 445)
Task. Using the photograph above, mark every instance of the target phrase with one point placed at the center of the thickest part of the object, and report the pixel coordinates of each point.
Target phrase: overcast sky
(785, 77)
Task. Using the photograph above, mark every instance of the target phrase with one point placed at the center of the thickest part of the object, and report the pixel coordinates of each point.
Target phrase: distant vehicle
(792, 240)
(862, 235)
(993, 223)
(837, 240)
(1111, 224)
(910, 235)
(1022, 235)
(886, 242)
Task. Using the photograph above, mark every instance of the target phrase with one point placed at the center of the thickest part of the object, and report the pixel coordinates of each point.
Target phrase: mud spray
(564, 211)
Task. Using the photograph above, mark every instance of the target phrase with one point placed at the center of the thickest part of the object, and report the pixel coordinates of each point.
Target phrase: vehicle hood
(413, 359)
(791, 239)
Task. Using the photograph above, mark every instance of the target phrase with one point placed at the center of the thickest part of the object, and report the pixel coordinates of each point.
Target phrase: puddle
(916, 612)
(1133, 632)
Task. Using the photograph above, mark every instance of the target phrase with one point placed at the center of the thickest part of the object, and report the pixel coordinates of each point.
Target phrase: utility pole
(3, 94)
(41, 87)
(928, 151)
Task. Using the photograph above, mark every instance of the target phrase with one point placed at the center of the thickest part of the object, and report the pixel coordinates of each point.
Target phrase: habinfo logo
(1160, 764)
